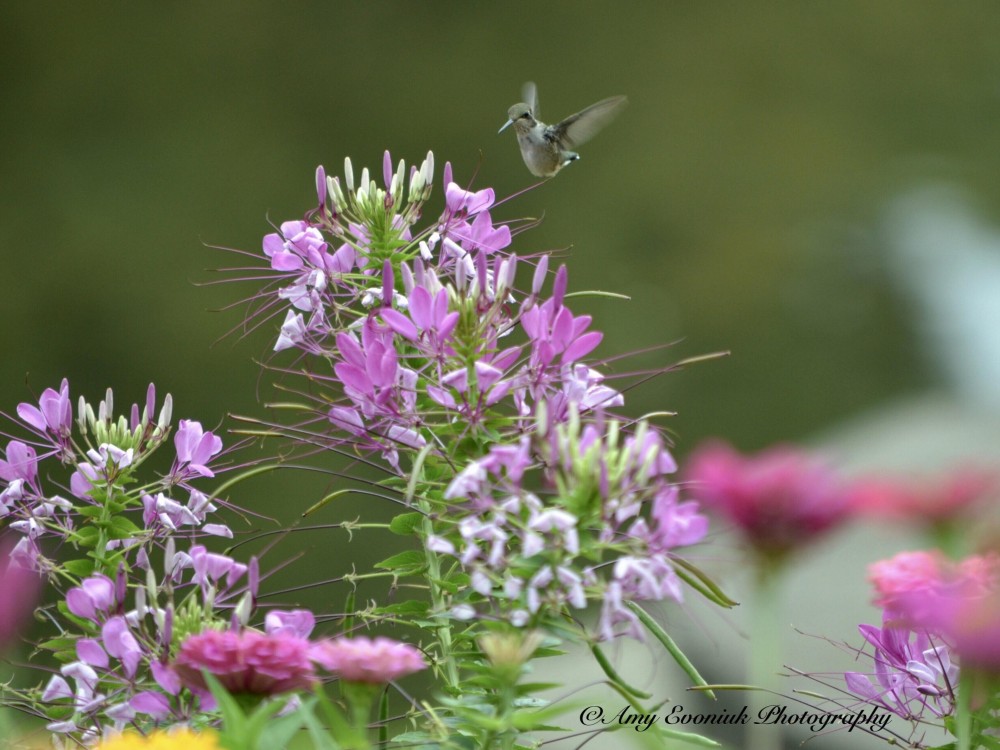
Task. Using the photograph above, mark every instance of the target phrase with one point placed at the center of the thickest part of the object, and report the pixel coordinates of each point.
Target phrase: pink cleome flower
(365, 660)
(247, 662)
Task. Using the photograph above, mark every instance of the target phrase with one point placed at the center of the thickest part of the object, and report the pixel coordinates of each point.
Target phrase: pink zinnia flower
(905, 574)
(781, 498)
(908, 575)
(364, 660)
(928, 501)
(247, 662)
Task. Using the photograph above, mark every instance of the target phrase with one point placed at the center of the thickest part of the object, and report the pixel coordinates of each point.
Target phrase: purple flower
(93, 597)
(150, 702)
(53, 415)
(464, 203)
(121, 644)
(20, 462)
(913, 674)
(210, 567)
(364, 660)
(675, 524)
(298, 622)
(195, 448)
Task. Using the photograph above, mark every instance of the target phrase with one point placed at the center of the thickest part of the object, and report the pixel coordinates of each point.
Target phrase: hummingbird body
(547, 148)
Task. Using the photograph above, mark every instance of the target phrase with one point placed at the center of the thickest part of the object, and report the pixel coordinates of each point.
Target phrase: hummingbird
(547, 148)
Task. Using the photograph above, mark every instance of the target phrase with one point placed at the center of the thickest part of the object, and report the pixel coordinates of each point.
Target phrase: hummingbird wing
(529, 95)
(584, 125)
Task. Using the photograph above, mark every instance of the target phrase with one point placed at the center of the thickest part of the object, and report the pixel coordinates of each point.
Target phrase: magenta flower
(247, 662)
(780, 499)
(365, 660)
(19, 587)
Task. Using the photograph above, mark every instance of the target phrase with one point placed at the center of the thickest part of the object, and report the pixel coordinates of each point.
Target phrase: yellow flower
(181, 739)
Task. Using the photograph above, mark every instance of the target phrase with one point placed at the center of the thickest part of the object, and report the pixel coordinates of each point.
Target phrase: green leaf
(688, 737)
(697, 579)
(405, 523)
(59, 644)
(81, 568)
(321, 739)
(271, 731)
(614, 676)
(233, 718)
(86, 537)
(411, 559)
(123, 528)
(90, 511)
(672, 648)
(325, 501)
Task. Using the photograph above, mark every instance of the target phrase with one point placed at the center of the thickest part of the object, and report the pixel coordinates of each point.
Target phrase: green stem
(765, 654)
(438, 603)
(963, 717)
(6, 725)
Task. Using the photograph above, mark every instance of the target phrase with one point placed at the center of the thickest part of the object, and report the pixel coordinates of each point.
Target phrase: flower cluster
(425, 347)
(141, 577)
(125, 663)
(281, 659)
(102, 456)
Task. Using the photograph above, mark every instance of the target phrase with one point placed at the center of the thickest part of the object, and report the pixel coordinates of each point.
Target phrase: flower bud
(348, 174)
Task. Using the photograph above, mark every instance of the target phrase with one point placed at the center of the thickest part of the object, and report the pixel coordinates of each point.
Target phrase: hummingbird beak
(505, 126)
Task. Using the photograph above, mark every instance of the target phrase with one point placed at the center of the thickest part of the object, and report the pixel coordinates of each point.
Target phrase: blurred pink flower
(781, 498)
(903, 580)
(364, 660)
(974, 630)
(928, 501)
(18, 593)
(905, 574)
(247, 662)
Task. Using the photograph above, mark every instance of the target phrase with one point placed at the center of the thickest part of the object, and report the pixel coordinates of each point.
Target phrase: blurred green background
(739, 200)
(732, 201)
